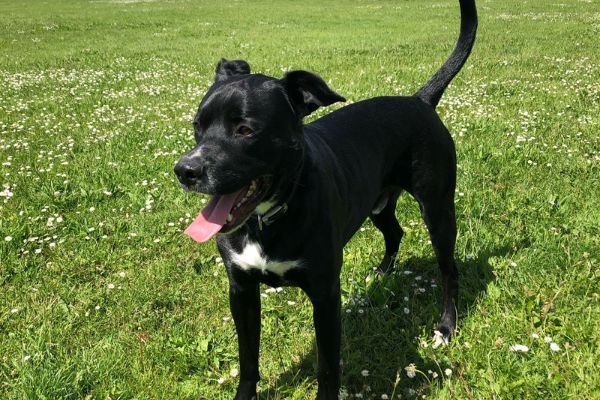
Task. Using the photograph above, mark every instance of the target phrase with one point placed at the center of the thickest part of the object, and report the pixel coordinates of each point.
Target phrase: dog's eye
(243, 130)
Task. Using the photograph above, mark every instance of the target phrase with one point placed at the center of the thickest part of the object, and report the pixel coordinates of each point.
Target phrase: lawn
(103, 297)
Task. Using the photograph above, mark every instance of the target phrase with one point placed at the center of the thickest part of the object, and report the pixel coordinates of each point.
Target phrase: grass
(101, 296)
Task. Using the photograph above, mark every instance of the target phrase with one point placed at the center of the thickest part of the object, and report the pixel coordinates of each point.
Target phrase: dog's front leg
(244, 301)
(326, 315)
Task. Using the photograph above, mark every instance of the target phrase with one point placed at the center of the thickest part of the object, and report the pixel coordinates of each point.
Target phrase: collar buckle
(272, 215)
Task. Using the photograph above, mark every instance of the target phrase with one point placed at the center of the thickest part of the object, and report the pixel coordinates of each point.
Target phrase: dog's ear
(308, 92)
(226, 68)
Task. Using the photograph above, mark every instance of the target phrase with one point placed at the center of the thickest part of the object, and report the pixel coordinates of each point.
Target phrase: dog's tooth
(229, 218)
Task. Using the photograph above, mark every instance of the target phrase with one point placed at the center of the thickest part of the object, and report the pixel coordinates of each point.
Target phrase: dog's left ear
(308, 92)
(226, 68)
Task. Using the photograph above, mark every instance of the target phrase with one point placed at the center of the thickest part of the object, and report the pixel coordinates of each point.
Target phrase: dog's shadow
(386, 327)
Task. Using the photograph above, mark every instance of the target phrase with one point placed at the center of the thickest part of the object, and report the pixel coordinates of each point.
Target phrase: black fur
(331, 174)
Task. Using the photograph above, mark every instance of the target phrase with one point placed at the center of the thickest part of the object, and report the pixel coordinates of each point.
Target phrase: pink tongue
(212, 218)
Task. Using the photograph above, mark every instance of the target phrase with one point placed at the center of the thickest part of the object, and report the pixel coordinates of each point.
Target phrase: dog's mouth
(225, 213)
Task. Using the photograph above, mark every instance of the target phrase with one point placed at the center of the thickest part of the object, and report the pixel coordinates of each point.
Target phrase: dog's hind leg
(385, 220)
(440, 219)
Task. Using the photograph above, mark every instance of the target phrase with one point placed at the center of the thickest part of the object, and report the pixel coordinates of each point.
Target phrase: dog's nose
(188, 174)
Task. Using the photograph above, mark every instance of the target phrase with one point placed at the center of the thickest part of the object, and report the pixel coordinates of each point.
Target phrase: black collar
(277, 211)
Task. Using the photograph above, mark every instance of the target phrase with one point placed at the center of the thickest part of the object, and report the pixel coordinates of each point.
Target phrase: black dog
(287, 196)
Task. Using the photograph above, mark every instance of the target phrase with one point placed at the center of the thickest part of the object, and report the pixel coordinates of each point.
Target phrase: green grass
(101, 296)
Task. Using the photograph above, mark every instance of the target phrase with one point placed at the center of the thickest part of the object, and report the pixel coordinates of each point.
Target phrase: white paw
(439, 339)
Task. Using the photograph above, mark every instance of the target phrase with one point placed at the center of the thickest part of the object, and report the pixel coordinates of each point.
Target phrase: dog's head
(248, 131)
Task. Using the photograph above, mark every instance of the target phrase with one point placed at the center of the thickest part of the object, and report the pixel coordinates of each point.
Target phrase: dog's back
(375, 139)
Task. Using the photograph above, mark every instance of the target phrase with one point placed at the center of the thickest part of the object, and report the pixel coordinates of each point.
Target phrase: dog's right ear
(226, 68)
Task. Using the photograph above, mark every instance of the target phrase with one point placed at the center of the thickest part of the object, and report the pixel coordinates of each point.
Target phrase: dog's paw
(440, 339)
(387, 264)
(246, 391)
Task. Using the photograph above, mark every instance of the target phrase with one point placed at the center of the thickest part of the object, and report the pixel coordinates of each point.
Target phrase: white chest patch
(252, 257)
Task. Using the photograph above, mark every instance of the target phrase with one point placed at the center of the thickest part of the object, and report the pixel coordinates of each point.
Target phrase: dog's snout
(188, 173)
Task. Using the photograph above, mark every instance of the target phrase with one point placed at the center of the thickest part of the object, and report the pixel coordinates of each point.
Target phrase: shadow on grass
(384, 324)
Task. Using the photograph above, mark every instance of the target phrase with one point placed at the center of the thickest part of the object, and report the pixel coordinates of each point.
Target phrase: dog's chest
(252, 257)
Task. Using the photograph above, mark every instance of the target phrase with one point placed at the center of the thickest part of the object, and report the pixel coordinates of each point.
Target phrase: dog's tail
(432, 91)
